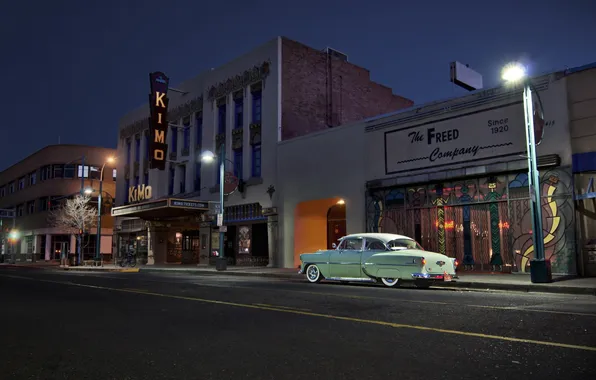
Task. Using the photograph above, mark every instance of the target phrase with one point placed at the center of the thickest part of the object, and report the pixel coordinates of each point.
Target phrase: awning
(162, 208)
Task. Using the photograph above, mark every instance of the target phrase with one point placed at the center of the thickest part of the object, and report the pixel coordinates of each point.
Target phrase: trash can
(540, 271)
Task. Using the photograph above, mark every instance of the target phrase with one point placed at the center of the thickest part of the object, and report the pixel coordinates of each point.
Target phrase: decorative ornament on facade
(240, 81)
(270, 191)
(255, 133)
(237, 137)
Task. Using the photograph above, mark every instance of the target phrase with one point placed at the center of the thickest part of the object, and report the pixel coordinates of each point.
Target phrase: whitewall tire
(390, 282)
(313, 274)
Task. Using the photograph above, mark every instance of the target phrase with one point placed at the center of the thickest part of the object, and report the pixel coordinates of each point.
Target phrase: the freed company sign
(478, 135)
(158, 105)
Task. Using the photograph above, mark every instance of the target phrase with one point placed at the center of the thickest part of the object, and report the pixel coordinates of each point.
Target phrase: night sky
(71, 69)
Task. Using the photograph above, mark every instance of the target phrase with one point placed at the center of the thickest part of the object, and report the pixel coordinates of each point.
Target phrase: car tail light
(423, 261)
(455, 263)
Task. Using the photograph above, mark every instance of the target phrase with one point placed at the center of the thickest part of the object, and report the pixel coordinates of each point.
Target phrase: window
(94, 172)
(32, 178)
(21, 183)
(171, 179)
(114, 175)
(31, 207)
(29, 243)
(186, 138)
(244, 240)
(174, 144)
(2, 191)
(238, 168)
(375, 245)
(83, 171)
(182, 172)
(399, 244)
(256, 106)
(11, 188)
(137, 148)
(221, 121)
(43, 204)
(58, 171)
(351, 244)
(238, 113)
(20, 210)
(256, 160)
(199, 123)
(128, 146)
(147, 146)
(198, 176)
(125, 192)
(46, 172)
(69, 171)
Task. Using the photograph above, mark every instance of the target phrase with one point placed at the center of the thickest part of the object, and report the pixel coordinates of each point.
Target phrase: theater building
(452, 174)
(279, 91)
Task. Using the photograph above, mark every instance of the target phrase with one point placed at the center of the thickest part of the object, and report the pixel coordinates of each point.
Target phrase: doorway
(336, 224)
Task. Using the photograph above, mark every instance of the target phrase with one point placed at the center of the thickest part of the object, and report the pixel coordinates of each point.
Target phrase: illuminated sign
(158, 121)
(181, 203)
(139, 193)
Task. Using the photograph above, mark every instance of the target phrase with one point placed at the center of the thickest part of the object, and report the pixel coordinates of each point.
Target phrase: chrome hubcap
(313, 272)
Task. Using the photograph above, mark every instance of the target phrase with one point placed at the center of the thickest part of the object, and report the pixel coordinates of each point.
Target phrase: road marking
(327, 316)
(281, 307)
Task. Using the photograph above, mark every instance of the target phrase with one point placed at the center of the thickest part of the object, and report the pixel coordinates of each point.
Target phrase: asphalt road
(61, 325)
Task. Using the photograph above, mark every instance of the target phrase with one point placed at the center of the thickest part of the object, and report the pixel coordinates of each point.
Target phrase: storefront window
(244, 240)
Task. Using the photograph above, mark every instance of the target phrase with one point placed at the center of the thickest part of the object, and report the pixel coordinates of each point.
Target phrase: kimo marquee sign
(490, 133)
(158, 121)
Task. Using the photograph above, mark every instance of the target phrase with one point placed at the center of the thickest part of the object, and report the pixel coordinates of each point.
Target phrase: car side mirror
(333, 245)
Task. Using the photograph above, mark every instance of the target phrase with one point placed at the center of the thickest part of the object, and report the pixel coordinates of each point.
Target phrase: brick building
(39, 183)
(278, 91)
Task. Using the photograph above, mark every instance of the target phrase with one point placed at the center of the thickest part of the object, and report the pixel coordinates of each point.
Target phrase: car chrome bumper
(430, 276)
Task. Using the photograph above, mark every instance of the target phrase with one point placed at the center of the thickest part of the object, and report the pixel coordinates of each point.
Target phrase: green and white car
(378, 257)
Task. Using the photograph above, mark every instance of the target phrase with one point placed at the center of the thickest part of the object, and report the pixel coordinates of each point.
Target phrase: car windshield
(398, 244)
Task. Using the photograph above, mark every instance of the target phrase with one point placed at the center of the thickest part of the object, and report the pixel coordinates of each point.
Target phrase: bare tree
(74, 216)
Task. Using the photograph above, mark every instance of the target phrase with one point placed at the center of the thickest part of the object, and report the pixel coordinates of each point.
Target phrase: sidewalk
(510, 282)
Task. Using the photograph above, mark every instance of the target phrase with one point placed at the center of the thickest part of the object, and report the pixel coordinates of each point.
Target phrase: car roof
(384, 237)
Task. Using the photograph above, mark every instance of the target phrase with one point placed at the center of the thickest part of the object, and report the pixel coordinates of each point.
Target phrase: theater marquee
(158, 121)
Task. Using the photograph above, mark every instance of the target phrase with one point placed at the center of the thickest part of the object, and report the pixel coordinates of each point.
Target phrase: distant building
(38, 183)
(279, 91)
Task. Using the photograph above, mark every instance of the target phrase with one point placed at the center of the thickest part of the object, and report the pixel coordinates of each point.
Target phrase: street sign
(220, 220)
(223, 229)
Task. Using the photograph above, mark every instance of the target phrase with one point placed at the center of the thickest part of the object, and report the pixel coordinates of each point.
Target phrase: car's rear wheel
(313, 274)
(390, 281)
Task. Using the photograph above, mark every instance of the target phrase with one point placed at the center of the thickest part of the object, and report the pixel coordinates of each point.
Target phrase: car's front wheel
(390, 281)
(313, 274)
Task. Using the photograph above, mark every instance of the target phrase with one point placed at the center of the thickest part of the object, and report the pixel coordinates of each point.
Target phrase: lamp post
(99, 203)
(208, 156)
(539, 266)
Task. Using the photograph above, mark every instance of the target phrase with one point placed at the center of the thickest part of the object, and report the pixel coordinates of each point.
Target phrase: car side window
(374, 245)
(351, 244)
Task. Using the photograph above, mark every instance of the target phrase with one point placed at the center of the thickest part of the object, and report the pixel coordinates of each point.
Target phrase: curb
(518, 288)
(227, 273)
(27, 266)
(95, 270)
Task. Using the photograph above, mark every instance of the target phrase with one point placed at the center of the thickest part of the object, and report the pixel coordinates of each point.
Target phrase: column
(73, 244)
(272, 231)
(48, 248)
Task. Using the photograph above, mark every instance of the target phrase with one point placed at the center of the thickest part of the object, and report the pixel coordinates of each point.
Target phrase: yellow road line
(330, 316)
(281, 307)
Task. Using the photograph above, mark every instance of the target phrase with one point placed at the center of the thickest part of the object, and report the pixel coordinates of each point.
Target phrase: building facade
(37, 184)
(279, 91)
(451, 174)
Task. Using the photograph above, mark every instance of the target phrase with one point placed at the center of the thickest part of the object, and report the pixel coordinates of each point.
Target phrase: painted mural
(484, 222)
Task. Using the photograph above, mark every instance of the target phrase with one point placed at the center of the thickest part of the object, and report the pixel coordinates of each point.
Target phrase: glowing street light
(207, 156)
(539, 265)
(88, 191)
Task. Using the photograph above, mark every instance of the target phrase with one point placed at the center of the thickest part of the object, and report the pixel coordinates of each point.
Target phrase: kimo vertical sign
(158, 105)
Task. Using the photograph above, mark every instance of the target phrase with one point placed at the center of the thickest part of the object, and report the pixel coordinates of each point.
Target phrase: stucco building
(278, 91)
(39, 183)
(451, 174)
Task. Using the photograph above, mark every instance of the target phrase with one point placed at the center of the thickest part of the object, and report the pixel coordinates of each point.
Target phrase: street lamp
(98, 235)
(208, 157)
(539, 266)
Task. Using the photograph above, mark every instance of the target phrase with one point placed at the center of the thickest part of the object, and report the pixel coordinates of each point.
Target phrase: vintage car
(378, 257)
